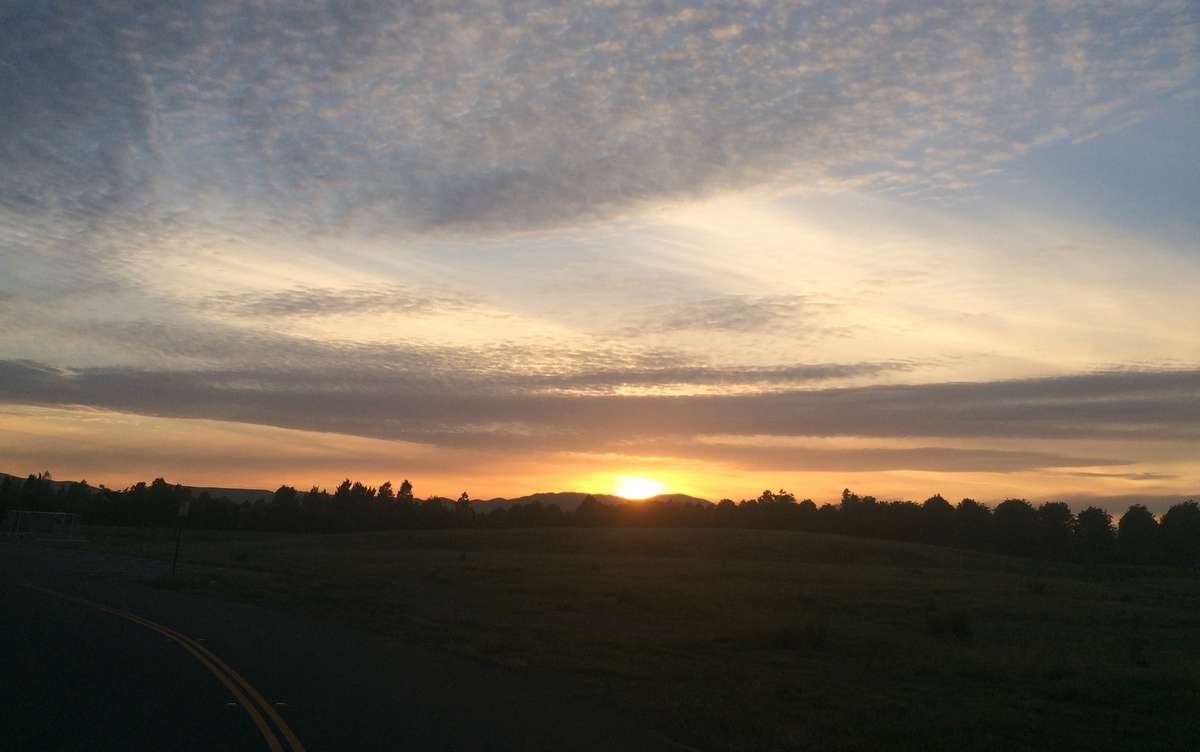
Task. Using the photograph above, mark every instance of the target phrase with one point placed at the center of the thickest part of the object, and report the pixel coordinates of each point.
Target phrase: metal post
(185, 507)
(178, 538)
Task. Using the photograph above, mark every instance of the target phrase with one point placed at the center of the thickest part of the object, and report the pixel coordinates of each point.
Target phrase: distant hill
(54, 484)
(565, 500)
(233, 494)
(569, 500)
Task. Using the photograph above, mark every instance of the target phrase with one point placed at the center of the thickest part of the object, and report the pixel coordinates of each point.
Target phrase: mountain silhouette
(565, 500)
(568, 501)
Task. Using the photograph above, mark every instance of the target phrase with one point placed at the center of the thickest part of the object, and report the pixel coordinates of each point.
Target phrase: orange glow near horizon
(119, 449)
(632, 487)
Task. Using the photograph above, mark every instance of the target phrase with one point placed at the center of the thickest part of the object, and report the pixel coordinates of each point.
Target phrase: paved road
(92, 658)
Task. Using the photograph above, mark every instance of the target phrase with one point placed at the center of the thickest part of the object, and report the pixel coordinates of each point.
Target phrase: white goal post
(43, 525)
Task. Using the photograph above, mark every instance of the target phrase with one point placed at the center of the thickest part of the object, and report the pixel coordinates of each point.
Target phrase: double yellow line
(246, 695)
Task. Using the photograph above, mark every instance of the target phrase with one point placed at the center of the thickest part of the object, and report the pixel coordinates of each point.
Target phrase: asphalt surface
(94, 658)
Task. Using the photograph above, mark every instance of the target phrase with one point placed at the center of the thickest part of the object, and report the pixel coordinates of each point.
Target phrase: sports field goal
(43, 525)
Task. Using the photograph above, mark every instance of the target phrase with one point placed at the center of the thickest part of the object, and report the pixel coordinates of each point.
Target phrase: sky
(503, 247)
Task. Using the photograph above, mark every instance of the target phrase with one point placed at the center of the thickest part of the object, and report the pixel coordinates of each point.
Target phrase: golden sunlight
(631, 487)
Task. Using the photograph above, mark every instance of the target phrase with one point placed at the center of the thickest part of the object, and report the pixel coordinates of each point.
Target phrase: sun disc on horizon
(630, 487)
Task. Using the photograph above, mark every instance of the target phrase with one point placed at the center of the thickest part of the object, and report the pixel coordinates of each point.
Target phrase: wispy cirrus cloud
(1126, 476)
(325, 301)
(768, 457)
(511, 115)
(739, 314)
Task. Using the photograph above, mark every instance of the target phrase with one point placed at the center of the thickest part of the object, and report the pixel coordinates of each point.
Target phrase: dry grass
(755, 640)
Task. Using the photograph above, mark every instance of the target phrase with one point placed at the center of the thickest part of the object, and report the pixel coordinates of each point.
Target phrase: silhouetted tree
(9, 490)
(1016, 525)
(74, 497)
(283, 512)
(1181, 534)
(1094, 535)
(854, 514)
(1056, 529)
(214, 513)
(1138, 535)
(590, 512)
(973, 523)
(463, 507)
(35, 492)
(937, 516)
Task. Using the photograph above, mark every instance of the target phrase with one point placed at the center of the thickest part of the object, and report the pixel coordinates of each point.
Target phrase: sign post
(185, 506)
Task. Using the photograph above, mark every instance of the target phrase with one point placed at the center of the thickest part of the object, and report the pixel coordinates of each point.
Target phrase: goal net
(45, 525)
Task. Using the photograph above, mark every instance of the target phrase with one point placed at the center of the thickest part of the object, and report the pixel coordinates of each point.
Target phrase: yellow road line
(226, 675)
(250, 690)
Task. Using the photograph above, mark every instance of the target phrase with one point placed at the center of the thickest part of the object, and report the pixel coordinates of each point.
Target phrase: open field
(748, 640)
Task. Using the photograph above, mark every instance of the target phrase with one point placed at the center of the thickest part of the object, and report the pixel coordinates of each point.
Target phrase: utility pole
(184, 507)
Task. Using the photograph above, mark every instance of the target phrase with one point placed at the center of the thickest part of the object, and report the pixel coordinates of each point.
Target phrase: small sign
(185, 506)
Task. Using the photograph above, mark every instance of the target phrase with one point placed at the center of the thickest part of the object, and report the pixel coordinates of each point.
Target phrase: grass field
(760, 640)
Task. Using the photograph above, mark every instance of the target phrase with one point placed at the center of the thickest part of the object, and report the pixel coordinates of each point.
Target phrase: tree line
(1049, 531)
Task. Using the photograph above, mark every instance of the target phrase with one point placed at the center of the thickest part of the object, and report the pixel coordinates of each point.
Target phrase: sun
(631, 487)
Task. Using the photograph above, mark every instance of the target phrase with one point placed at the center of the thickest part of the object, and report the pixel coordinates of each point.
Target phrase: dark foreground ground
(74, 677)
(720, 639)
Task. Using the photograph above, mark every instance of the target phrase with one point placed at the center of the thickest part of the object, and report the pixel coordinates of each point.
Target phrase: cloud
(117, 448)
(244, 339)
(1126, 476)
(277, 118)
(701, 375)
(316, 301)
(739, 314)
(1118, 405)
(292, 365)
(927, 459)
